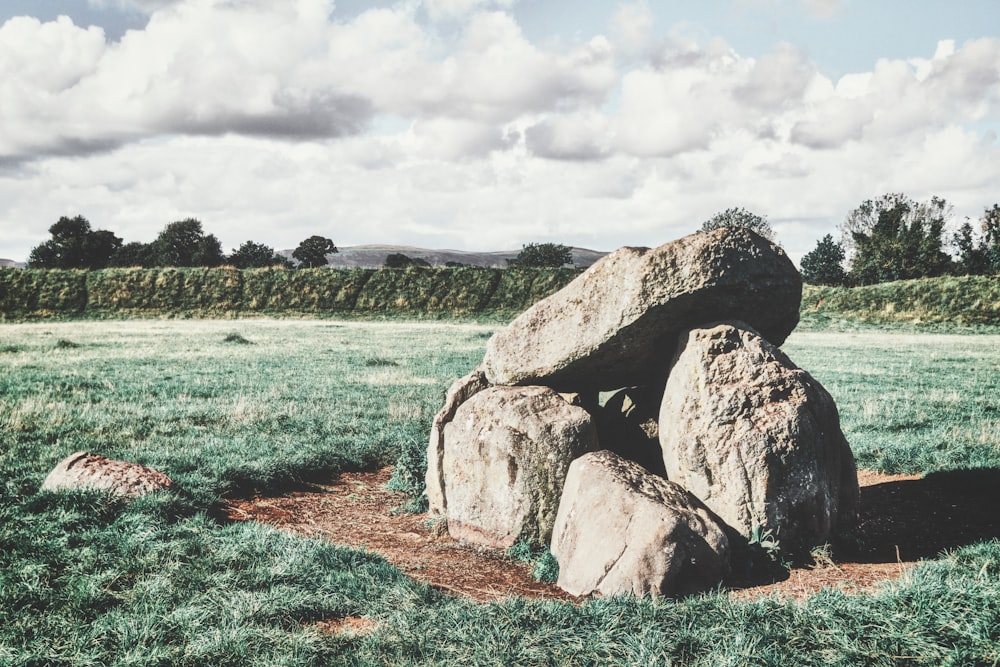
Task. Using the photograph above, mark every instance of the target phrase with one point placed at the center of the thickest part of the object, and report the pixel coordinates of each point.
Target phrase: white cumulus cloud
(443, 123)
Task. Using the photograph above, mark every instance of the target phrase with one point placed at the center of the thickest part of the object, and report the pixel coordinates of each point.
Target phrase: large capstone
(506, 453)
(621, 529)
(616, 325)
(756, 438)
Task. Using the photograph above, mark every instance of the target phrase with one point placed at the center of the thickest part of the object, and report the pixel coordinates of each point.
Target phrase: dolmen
(643, 424)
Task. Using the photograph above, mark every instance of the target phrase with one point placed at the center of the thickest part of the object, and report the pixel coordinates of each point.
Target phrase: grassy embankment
(966, 303)
(235, 407)
(492, 294)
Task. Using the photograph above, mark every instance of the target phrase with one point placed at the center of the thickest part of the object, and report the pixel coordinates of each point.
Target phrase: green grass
(910, 403)
(87, 580)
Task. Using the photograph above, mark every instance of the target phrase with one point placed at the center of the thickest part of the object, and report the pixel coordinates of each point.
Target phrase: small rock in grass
(83, 470)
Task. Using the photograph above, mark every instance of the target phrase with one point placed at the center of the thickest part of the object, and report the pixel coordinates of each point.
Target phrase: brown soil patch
(903, 519)
(356, 510)
(350, 625)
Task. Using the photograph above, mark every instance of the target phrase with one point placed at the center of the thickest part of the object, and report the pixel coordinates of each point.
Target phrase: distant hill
(373, 256)
(11, 264)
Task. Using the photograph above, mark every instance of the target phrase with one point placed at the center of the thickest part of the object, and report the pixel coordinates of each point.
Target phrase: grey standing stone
(460, 391)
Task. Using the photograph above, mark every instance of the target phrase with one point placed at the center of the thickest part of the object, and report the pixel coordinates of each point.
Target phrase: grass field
(234, 407)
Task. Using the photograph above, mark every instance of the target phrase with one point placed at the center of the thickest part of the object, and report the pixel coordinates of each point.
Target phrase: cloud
(203, 67)
(274, 121)
(146, 6)
(690, 94)
(901, 100)
(450, 139)
(632, 28)
(286, 70)
(824, 9)
(970, 75)
(776, 80)
(579, 136)
(497, 74)
(453, 10)
(832, 124)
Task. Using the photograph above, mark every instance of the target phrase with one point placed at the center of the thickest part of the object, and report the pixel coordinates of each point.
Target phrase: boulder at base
(506, 453)
(83, 470)
(621, 529)
(756, 438)
(616, 325)
(460, 391)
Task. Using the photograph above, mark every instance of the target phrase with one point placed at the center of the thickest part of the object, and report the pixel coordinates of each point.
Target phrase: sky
(489, 124)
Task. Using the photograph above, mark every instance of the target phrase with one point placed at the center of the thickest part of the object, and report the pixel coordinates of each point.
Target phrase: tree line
(892, 237)
(75, 245)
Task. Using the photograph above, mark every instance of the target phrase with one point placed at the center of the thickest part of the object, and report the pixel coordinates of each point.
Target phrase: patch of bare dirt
(349, 625)
(355, 510)
(903, 519)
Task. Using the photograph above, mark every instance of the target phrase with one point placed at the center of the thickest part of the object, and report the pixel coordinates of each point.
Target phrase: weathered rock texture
(621, 529)
(756, 438)
(83, 470)
(460, 391)
(616, 325)
(506, 453)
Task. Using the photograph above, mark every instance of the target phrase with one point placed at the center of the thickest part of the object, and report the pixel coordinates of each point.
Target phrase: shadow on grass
(908, 520)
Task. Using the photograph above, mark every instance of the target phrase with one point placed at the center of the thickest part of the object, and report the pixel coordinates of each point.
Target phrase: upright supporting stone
(460, 391)
(756, 438)
(506, 453)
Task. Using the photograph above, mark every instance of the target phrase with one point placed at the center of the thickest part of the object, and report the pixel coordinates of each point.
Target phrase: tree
(252, 255)
(972, 252)
(184, 243)
(134, 254)
(979, 251)
(74, 245)
(990, 223)
(398, 260)
(543, 255)
(739, 217)
(823, 265)
(99, 247)
(897, 238)
(313, 251)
